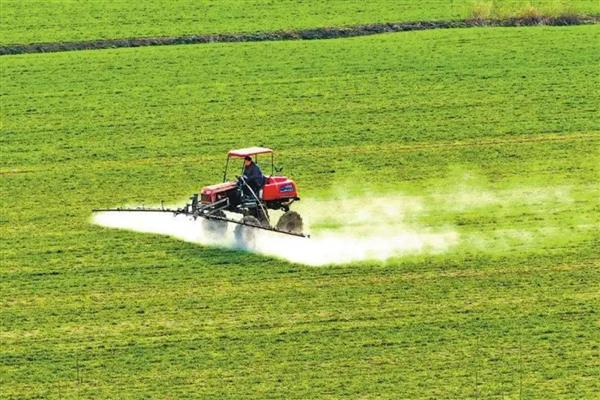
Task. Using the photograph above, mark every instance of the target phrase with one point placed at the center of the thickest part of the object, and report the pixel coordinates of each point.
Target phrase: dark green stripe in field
(30, 21)
(94, 313)
(306, 34)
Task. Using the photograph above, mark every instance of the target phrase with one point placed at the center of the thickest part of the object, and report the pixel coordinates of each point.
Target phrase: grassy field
(495, 131)
(30, 21)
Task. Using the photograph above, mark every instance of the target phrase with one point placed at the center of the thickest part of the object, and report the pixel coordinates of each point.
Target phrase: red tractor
(237, 196)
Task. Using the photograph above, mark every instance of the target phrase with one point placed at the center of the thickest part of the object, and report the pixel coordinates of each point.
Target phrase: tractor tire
(215, 227)
(262, 218)
(291, 222)
(245, 236)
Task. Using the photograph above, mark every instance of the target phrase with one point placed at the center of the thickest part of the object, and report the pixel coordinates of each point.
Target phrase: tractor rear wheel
(215, 227)
(291, 222)
(245, 236)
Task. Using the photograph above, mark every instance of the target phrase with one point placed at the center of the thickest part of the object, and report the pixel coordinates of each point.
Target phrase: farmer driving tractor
(273, 192)
(253, 177)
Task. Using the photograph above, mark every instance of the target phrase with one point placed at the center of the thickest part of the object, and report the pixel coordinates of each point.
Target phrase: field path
(304, 34)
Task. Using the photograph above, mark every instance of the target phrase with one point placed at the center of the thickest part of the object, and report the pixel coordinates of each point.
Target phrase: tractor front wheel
(291, 222)
(245, 236)
(215, 227)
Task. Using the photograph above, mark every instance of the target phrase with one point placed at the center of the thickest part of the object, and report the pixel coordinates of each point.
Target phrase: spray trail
(354, 232)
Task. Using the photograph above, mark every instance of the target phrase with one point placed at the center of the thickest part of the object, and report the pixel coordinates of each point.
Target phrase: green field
(494, 132)
(32, 21)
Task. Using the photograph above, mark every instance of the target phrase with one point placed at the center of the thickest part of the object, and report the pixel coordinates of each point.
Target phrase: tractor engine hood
(218, 188)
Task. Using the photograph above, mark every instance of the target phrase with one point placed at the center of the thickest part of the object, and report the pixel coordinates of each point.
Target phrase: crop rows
(496, 131)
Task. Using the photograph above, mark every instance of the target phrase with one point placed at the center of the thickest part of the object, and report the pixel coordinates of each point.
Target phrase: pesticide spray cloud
(342, 231)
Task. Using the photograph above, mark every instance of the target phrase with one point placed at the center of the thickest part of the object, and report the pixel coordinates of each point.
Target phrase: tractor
(238, 197)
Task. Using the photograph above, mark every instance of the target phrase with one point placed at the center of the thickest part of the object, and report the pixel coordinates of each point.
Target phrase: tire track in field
(398, 147)
(546, 138)
(303, 34)
(494, 142)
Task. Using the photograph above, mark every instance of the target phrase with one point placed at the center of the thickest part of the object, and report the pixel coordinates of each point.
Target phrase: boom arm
(196, 210)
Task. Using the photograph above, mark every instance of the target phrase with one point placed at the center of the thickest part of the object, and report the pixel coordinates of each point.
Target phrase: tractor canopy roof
(250, 151)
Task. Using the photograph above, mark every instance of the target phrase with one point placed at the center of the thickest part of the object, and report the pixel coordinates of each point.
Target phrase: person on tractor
(253, 176)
